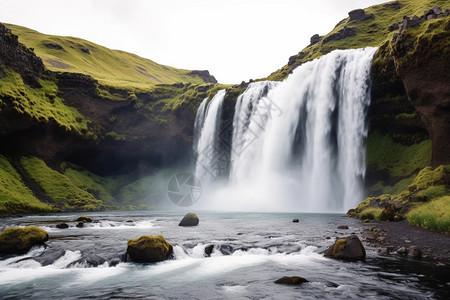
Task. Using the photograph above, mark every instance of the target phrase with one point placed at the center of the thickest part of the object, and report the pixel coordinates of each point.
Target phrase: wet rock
(295, 221)
(50, 255)
(88, 259)
(62, 225)
(84, 219)
(80, 224)
(226, 249)
(209, 249)
(343, 227)
(20, 240)
(129, 221)
(401, 250)
(189, 219)
(383, 251)
(348, 248)
(291, 280)
(149, 249)
(415, 252)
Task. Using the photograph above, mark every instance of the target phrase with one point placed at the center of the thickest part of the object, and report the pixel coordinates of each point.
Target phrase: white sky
(234, 39)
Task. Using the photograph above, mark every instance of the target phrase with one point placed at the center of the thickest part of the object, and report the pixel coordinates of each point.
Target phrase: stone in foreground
(149, 249)
(189, 219)
(20, 240)
(292, 280)
(348, 248)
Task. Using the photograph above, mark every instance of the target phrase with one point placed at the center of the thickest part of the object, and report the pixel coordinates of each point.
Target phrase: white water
(299, 145)
(207, 145)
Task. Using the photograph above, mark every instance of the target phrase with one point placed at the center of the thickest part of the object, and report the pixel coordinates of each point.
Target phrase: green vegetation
(434, 215)
(400, 161)
(424, 202)
(42, 104)
(62, 191)
(372, 32)
(371, 214)
(15, 196)
(110, 67)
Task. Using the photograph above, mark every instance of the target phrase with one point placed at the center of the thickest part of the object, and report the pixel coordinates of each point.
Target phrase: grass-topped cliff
(110, 67)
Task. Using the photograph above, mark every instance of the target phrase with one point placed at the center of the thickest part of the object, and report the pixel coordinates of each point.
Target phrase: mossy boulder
(20, 240)
(189, 219)
(291, 280)
(348, 248)
(149, 249)
(84, 219)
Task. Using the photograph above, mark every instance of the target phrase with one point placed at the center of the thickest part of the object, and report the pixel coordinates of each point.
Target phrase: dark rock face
(291, 280)
(341, 34)
(359, 15)
(21, 59)
(85, 50)
(423, 65)
(349, 248)
(208, 78)
(315, 39)
(20, 240)
(149, 249)
(189, 219)
(54, 46)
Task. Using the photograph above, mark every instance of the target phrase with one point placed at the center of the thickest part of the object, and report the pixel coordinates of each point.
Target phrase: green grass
(372, 32)
(110, 67)
(65, 194)
(42, 104)
(399, 161)
(371, 214)
(15, 196)
(434, 215)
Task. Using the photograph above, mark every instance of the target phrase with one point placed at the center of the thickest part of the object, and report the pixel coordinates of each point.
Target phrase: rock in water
(149, 249)
(208, 250)
(294, 280)
(84, 219)
(20, 240)
(295, 220)
(414, 252)
(343, 227)
(348, 248)
(189, 219)
(62, 225)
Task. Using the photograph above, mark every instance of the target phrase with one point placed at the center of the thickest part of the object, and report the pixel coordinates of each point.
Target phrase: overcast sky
(234, 39)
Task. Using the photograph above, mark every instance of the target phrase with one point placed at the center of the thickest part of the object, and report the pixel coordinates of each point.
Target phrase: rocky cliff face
(422, 59)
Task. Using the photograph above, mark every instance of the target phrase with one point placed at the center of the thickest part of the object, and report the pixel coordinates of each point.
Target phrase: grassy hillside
(110, 67)
(371, 32)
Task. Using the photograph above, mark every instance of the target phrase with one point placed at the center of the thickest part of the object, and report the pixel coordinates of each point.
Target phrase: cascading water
(206, 137)
(299, 145)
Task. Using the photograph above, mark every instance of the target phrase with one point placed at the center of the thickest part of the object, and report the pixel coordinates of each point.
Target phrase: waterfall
(207, 127)
(299, 145)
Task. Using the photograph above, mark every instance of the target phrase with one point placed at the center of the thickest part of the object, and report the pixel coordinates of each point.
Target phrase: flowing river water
(251, 251)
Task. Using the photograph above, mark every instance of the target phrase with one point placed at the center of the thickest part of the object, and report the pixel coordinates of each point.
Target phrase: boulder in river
(208, 250)
(20, 240)
(292, 280)
(149, 249)
(348, 248)
(84, 219)
(295, 220)
(189, 219)
(414, 252)
(343, 227)
(62, 225)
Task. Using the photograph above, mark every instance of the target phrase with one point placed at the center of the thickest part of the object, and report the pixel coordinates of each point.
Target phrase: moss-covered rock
(149, 249)
(190, 219)
(348, 248)
(20, 240)
(84, 219)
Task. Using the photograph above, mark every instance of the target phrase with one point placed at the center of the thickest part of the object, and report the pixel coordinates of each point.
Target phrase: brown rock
(189, 219)
(414, 252)
(348, 248)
